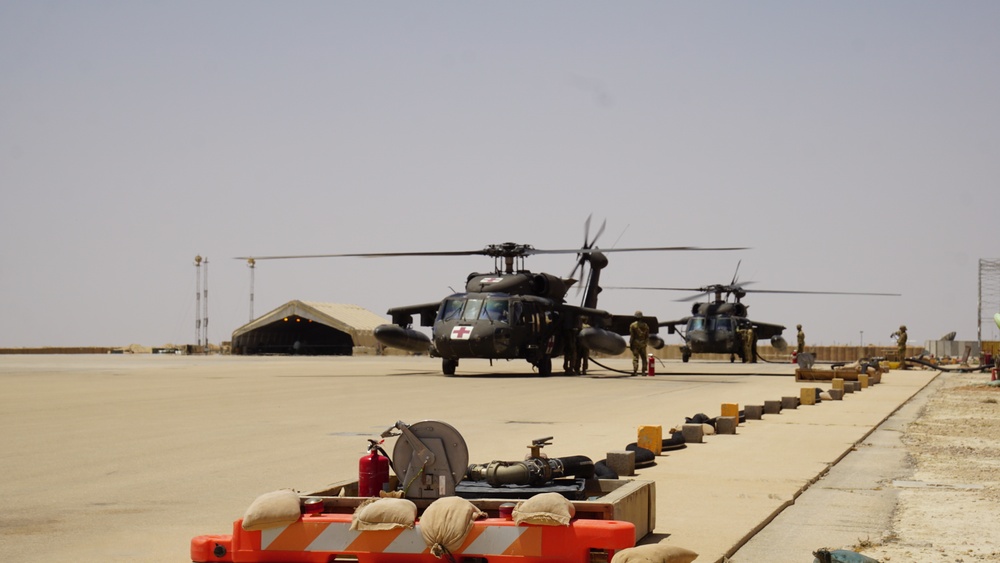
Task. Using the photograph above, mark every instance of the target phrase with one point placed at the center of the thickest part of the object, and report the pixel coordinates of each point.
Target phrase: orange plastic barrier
(322, 538)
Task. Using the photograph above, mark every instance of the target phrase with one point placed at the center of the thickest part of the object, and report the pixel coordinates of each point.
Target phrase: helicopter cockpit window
(723, 324)
(451, 309)
(472, 308)
(696, 324)
(494, 310)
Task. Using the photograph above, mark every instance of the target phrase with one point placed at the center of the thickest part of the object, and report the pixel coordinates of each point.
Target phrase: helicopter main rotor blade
(366, 255)
(703, 290)
(637, 249)
(495, 250)
(822, 292)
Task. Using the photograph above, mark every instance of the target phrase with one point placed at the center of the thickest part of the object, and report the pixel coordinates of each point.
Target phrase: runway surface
(126, 458)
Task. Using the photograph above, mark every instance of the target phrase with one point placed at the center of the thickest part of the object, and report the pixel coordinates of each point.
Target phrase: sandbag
(384, 514)
(446, 523)
(654, 553)
(545, 509)
(269, 510)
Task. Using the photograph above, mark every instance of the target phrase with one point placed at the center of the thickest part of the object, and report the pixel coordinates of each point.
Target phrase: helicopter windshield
(472, 308)
(697, 323)
(451, 309)
(494, 310)
(723, 324)
(491, 309)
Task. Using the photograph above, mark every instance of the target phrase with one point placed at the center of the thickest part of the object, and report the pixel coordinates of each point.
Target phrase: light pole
(250, 264)
(862, 339)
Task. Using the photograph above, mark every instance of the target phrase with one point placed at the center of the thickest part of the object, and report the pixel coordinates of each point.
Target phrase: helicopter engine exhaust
(655, 342)
(603, 341)
(779, 343)
(407, 339)
(547, 285)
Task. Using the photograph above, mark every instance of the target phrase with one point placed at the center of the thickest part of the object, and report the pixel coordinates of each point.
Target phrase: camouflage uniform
(638, 339)
(901, 345)
(749, 339)
(802, 340)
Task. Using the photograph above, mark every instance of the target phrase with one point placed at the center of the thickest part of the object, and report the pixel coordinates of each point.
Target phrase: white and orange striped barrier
(324, 537)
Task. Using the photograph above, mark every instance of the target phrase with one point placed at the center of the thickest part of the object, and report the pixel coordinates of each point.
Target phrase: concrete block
(838, 383)
(726, 424)
(789, 402)
(849, 386)
(731, 409)
(753, 412)
(693, 433)
(772, 407)
(836, 394)
(863, 380)
(807, 396)
(651, 438)
(622, 462)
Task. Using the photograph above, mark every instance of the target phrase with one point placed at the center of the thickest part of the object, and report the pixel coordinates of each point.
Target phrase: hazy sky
(855, 146)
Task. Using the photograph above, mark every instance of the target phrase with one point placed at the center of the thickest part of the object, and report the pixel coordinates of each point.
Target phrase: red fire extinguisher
(373, 471)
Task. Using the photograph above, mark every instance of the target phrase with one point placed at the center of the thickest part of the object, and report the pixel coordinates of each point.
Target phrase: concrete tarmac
(126, 458)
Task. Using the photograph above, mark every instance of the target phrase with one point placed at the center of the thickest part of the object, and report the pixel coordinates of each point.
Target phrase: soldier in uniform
(802, 340)
(741, 341)
(900, 337)
(749, 345)
(638, 333)
(570, 360)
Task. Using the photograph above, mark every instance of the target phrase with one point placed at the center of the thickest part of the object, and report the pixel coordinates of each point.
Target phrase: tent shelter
(308, 328)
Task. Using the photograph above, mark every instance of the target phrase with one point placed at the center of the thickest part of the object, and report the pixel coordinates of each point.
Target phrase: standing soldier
(749, 345)
(802, 341)
(900, 335)
(570, 360)
(638, 333)
(740, 345)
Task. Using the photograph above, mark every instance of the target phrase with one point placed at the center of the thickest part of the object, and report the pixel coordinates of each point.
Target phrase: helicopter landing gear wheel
(685, 355)
(448, 366)
(732, 358)
(544, 366)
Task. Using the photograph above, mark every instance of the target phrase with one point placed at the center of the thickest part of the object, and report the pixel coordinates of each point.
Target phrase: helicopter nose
(700, 337)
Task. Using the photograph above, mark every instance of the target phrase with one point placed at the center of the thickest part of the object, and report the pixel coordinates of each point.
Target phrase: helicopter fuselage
(496, 326)
(713, 329)
(713, 335)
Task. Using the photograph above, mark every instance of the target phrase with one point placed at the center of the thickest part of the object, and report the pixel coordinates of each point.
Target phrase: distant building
(308, 328)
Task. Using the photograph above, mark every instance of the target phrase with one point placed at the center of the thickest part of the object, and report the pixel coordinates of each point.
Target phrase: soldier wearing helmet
(749, 345)
(801, 340)
(900, 336)
(638, 339)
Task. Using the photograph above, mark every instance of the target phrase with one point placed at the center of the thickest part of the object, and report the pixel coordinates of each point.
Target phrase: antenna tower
(197, 300)
(204, 323)
(989, 294)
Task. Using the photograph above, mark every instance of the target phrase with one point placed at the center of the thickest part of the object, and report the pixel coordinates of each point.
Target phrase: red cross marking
(460, 332)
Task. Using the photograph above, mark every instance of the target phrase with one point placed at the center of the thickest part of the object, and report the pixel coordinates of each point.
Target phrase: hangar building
(308, 328)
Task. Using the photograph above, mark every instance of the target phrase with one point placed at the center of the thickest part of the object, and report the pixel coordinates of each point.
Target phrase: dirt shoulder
(948, 510)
